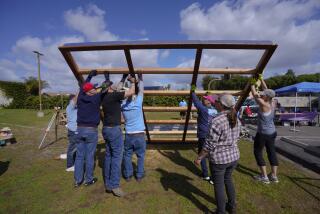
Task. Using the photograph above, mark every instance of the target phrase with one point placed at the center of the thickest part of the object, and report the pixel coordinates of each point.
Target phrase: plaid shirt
(222, 141)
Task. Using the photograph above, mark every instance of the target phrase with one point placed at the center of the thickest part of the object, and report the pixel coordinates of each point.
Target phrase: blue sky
(44, 25)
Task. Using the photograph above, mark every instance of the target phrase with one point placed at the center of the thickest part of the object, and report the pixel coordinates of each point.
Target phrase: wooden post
(193, 82)
(132, 73)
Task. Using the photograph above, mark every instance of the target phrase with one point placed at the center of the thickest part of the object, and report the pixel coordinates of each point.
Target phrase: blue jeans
(222, 177)
(71, 152)
(134, 143)
(87, 139)
(113, 158)
(203, 162)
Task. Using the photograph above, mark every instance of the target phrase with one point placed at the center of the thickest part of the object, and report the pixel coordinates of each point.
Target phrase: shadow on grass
(246, 171)
(178, 159)
(4, 167)
(300, 182)
(52, 142)
(181, 185)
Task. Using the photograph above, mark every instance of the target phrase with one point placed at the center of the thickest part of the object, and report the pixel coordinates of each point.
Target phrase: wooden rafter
(170, 70)
(267, 46)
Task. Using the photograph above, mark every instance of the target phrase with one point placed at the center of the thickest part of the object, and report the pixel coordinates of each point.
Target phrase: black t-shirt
(111, 104)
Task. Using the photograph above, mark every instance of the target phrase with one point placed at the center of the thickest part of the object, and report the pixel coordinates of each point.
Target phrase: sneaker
(63, 156)
(76, 185)
(211, 182)
(94, 180)
(70, 169)
(262, 179)
(140, 179)
(128, 179)
(117, 192)
(273, 178)
(230, 209)
(206, 178)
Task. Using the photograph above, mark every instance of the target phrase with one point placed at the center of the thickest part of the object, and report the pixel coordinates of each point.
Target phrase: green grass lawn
(31, 181)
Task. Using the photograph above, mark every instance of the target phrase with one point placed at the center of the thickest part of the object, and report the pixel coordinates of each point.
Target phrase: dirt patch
(136, 195)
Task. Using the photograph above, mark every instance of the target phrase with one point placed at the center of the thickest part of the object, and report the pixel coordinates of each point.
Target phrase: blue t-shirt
(71, 111)
(183, 103)
(132, 112)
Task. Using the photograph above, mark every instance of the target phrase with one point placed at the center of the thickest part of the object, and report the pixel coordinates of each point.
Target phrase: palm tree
(32, 85)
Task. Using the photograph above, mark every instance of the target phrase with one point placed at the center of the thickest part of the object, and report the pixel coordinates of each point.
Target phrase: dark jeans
(222, 177)
(71, 152)
(113, 158)
(87, 139)
(134, 143)
(203, 162)
(261, 141)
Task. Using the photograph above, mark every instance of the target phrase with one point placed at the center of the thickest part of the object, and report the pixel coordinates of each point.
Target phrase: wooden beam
(170, 70)
(170, 122)
(259, 70)
(189, 44)
(193, 82)
(185, 93)
(72, 64)
(166, 109)
(174, 140)
(171, 132)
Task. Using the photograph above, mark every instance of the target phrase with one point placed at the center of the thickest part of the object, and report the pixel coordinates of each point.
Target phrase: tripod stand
(58, 118)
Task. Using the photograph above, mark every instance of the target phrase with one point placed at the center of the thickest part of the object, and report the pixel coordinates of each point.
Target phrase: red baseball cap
(87, 87)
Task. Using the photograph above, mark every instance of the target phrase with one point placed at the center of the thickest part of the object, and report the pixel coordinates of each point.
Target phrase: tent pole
(295, 115)
(310, 102)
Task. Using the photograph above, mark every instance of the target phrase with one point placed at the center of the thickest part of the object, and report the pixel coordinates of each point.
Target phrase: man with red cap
(205, 114)
(88, 119)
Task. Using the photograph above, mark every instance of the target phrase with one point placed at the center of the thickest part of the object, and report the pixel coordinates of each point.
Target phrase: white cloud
(90, 22)
(164, 54)
(89, 25)
(291, 24)
(8, 71)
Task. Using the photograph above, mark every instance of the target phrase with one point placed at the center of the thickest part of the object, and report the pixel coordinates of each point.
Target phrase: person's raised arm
(263, 83)
(255, 94)
(121, 83)
(195, 99)
(132, 89)
(74, 100)
(141, 85)
(91, 74)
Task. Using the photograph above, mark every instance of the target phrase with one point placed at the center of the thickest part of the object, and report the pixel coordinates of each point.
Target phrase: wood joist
(127, 46)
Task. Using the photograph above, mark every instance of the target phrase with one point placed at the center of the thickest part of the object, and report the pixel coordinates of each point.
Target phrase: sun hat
(268, 93)
(6, 129)
(227, 100)
(210, 98)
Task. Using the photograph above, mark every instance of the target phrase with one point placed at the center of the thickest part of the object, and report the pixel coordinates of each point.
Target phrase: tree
(32, 85)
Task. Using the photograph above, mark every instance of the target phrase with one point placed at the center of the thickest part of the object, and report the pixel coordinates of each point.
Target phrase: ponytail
(232, 117)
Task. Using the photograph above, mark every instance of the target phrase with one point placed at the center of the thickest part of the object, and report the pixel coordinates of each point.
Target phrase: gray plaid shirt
(222, 141)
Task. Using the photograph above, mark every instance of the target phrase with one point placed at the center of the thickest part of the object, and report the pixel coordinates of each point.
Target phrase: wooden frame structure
(126, 46)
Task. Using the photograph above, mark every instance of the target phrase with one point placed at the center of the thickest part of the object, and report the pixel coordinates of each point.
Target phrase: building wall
(291, 101)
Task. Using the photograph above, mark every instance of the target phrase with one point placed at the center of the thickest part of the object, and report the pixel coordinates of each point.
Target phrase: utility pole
(40, 113)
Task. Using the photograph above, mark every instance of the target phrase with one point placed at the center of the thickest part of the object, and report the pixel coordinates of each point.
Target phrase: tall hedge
(15, 90)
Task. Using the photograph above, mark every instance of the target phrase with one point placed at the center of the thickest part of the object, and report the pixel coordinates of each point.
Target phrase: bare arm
(257, 97)
(132, 89)
(263, 84)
